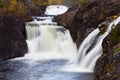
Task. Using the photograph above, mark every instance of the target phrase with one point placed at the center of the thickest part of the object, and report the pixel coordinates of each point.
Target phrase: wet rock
(12, 38)
(36, 11)
(68, 20)
(108, 65)
(13, 32)
(81, 20)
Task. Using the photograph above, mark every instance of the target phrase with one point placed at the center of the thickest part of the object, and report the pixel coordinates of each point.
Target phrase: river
(39, 70)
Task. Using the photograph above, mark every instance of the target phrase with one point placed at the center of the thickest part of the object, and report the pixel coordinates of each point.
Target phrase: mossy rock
(114, 37)
(116, 50)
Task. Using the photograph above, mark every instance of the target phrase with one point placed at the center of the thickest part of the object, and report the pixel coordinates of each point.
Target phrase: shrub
(1, 4)
(12, 7)
(116, 50)
(114, 36)
(83, 2)
(17, 8)
(40, 2)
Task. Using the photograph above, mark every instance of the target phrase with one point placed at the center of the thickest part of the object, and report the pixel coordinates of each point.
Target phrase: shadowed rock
(81, 20)
(12, 38)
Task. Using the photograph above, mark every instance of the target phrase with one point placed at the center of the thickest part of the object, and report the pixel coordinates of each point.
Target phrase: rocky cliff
(13, 33)
(108, 65)
(12, 38)
(81, 20)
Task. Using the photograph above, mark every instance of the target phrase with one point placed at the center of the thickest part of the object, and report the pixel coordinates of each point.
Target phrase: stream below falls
(53, 55)
(39, 70)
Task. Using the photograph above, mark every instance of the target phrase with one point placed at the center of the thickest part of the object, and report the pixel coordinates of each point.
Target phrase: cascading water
(89, 59)
(52, 42)
(89, 40)
(53, 54)
(32, 30)
(48, 41)
(55, 42)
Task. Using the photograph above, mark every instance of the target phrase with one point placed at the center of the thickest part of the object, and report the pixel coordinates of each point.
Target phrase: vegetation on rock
(83, 2)
(13, 15)
(82, 20)
(12, 7)
(114, 37)
(107, 67)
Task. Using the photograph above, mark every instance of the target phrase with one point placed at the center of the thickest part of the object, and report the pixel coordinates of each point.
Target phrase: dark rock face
(69, 2)
(81, 20)
(108, 65)
(69, 21)
(12, 38)
(37, 11)
(13, 32)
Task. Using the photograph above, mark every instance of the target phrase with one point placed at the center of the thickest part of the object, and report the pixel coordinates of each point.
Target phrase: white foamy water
(89, 40)
(92, 56)
(47, 41)
(87, 60)
(51, 44)
(56, 10)
(55, 42)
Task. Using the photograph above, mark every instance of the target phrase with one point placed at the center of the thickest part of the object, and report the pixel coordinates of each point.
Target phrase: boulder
(12, 38)
(13, 32)
(81, 20)
(108, 65)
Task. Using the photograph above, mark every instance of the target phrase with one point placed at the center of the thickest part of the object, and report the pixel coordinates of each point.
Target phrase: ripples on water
(39, 70)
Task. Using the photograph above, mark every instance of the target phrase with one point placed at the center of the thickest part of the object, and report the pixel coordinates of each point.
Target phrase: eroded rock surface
(82, 20)
(12, 38)
(108, 65)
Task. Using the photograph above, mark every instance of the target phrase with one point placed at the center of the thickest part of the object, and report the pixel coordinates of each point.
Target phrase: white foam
(56, 10)
(75, 68)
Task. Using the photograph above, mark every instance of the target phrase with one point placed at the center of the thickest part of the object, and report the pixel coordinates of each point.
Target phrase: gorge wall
(108, 65)
(82, 20)
(13, 33)
(12, 38)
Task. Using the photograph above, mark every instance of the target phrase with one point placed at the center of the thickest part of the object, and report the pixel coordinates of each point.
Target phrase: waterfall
(32, 30)
(55, 42)
(54, 10)
(88, 59)
(89, 40)
(46, 40)
(49, 41)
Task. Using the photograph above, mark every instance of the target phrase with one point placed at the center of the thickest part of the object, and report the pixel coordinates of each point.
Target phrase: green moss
(103, 29)
(1, 5)
(116, 50)
(40, 2)
(114, 37)
(95, 72)
(83, 2)
(102, 10)
(110, 69)
(102, 77)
